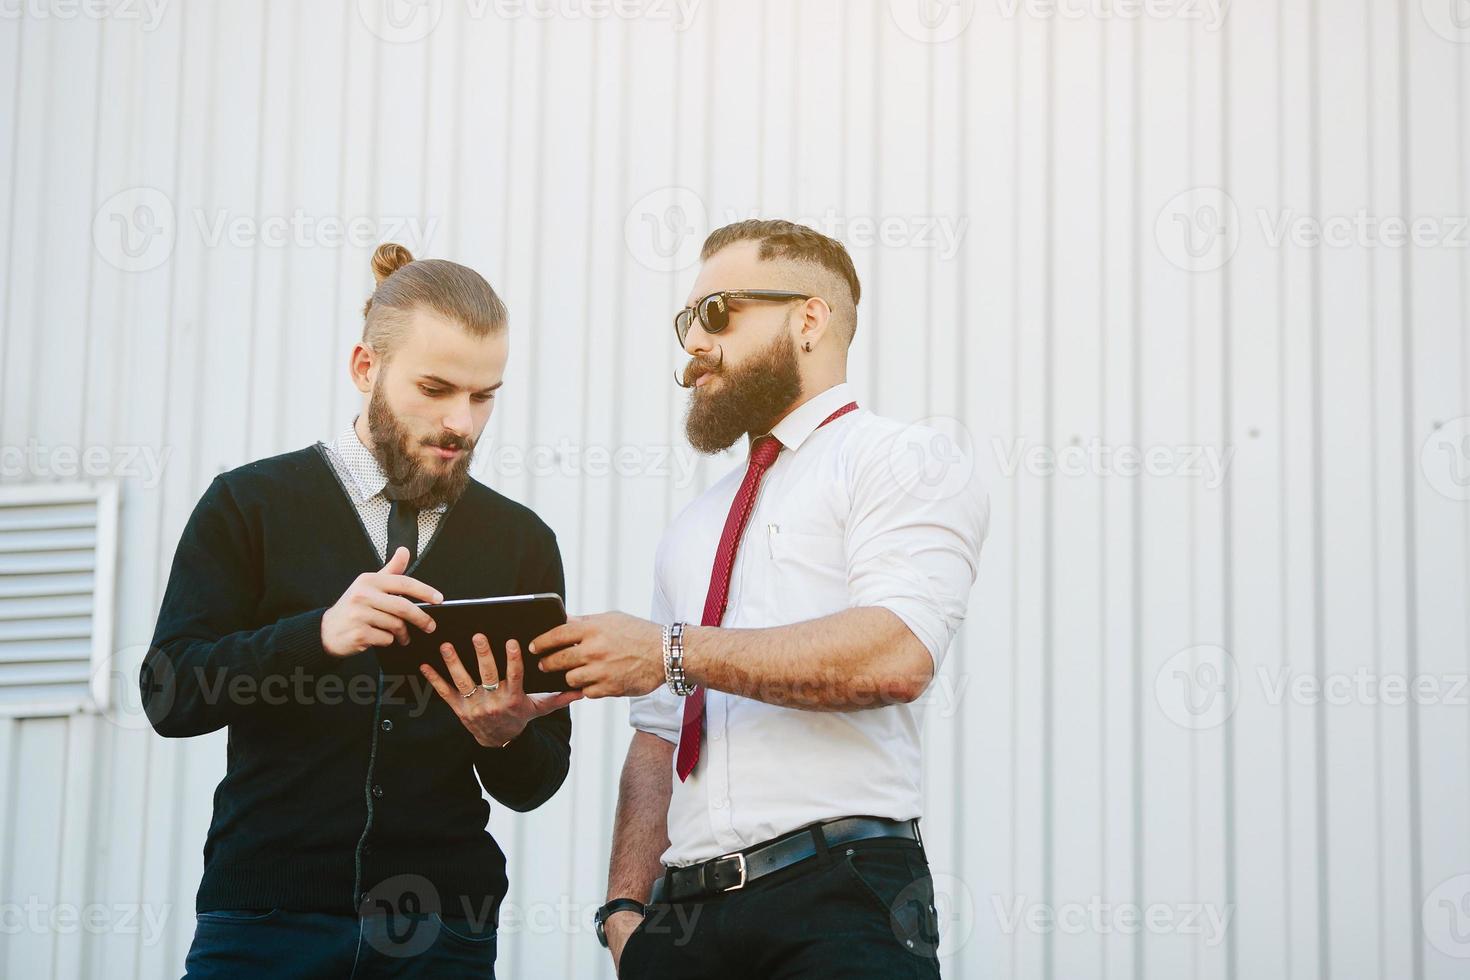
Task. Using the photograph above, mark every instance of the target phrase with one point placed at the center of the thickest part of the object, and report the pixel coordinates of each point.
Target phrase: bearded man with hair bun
(349, 831)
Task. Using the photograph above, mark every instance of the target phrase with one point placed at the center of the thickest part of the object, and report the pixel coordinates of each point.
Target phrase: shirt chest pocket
(806, 572)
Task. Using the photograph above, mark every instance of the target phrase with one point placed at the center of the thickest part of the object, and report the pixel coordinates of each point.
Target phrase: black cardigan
(341, 777)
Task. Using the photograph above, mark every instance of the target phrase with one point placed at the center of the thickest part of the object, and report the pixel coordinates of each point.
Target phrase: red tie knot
(763, 452)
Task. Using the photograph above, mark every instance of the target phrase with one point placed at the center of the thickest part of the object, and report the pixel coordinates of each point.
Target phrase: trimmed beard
(409, 480)
(752, 397)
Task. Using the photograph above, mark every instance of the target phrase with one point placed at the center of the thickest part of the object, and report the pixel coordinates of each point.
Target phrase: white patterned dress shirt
(364, 480)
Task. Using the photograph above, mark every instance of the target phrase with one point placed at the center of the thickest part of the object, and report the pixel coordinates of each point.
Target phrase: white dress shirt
(848, 515)
(363, 479)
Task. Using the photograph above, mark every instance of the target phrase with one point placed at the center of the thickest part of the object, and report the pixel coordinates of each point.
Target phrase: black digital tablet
(514, 617)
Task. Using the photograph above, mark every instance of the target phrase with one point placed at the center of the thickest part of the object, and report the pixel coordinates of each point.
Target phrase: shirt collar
(362, 465)
(794, 429)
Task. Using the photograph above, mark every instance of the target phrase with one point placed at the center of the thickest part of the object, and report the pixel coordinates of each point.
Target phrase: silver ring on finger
(491, 688)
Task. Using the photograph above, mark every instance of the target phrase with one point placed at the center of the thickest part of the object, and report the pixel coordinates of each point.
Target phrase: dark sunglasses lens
(682, 321)
(714, 314)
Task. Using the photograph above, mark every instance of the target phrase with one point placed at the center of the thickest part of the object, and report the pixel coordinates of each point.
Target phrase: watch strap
(612, 908)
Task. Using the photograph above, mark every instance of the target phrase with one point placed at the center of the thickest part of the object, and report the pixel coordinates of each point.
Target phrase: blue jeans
(309, 945)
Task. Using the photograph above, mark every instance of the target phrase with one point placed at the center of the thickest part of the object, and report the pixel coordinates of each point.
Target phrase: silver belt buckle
(740, 859)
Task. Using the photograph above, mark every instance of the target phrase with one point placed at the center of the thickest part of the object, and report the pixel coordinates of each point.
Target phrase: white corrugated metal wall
(177, 180)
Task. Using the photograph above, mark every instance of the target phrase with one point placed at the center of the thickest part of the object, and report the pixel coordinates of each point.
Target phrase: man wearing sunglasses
(767, 820)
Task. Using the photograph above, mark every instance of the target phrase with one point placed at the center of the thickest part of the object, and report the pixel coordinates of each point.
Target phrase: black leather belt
(736, 870)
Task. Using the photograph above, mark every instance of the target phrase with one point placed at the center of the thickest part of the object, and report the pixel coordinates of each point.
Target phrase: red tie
(763, 453)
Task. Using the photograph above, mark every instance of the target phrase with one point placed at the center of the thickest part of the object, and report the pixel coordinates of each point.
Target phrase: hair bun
(388, 259)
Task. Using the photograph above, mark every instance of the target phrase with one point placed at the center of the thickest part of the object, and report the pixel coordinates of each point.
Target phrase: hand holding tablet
(499, 619)
(494, 710)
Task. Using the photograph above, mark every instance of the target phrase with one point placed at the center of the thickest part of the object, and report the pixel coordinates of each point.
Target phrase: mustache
(451, 442)
(696, 367)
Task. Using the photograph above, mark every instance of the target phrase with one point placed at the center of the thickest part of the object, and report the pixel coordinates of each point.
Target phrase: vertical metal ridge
(1319, 530)
(9, 278)
(538, 245)
(877, 102)
(252, 323)
(1104, 649)
(1411, 531)
(1136, 306)
(1374, 503)
(962, 856)
(1227, 512)
(1049, 507)
(285, 315)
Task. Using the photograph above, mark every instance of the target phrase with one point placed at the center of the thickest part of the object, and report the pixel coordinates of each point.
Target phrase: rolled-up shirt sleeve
(660, 712)
(918, 519)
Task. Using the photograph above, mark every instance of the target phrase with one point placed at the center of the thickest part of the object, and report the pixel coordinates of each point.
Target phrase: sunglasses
(714, 310)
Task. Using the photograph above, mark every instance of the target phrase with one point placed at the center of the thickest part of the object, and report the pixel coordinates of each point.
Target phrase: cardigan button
(387, 724)
(377, 792)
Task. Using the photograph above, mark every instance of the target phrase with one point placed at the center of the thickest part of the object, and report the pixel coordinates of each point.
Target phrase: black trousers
(863, 910)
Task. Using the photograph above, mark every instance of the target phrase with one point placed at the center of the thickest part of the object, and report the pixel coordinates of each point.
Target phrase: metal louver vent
(58, 551)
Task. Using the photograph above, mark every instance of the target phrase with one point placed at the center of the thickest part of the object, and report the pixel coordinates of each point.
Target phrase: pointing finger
(557, 637)
(397, 562)
(411, 587)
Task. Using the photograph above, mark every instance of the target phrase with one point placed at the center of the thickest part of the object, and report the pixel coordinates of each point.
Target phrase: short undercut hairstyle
(789, 241)
(448, 288)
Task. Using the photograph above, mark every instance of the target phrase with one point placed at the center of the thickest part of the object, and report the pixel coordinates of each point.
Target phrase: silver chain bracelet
(674, 660)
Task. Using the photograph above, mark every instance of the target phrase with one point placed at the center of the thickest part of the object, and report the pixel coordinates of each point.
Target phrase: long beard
(750, 398)
(409, 480)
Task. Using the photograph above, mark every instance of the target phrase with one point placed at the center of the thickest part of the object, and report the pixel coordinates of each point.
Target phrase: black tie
(403, 530)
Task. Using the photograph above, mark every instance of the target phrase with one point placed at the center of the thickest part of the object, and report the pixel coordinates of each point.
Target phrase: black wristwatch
(615, 906)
